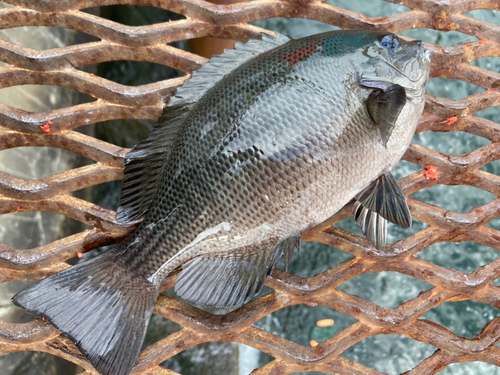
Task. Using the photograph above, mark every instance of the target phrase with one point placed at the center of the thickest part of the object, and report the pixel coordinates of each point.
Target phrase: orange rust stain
(430, 172)
(450, 120)
(481, 43)
(46, 128)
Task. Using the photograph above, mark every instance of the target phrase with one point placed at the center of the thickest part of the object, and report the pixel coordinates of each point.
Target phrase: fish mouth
(423, 58)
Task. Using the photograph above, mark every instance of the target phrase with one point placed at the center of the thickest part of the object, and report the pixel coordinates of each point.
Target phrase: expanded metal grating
(114, 101)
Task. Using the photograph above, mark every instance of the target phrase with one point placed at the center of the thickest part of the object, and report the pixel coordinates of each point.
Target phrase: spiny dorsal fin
(143, 164)
(232, 278)
(210, 73)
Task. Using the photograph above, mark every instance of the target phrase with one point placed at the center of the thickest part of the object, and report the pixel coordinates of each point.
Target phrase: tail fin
(102, 306)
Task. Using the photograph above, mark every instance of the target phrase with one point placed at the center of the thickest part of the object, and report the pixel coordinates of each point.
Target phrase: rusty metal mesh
(148, 43)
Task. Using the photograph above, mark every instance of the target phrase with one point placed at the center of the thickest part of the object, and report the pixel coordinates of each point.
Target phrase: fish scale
(262, 143)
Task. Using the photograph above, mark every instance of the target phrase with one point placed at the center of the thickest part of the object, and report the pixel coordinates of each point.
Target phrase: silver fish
(262, 143)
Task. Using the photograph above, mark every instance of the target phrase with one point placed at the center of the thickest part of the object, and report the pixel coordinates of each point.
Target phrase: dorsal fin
(210, 73)
(144, 162)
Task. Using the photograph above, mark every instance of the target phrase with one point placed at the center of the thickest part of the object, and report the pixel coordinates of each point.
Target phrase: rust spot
(495, 84)
(430, 172)
(46, 128)
(450, 120)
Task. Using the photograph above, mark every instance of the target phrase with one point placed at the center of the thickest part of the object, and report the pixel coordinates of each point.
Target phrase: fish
(262, 143)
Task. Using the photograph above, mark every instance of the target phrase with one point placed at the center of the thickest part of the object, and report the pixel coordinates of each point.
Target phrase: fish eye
(390, 42)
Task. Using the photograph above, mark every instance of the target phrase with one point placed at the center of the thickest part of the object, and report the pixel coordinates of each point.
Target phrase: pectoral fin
(384, 108)
(382, 200)
(231, 278)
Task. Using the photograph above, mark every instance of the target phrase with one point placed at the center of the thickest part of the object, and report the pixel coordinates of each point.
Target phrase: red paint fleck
(79, 255)
(450, 120)
(43, 318)
(46, 127)
(430, 172)
(18, 209)
(481, 43)
(438, 299)
(92, 74)
(296, 56)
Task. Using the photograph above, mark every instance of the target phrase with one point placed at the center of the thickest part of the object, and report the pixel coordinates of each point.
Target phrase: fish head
(389, 60)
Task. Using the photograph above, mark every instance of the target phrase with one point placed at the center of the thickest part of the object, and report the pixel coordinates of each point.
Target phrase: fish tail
(101, 305)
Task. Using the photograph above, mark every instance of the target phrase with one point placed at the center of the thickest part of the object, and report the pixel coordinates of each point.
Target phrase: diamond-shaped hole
(8, 310)
(493, 167)
(490, 63)
(387, 289)
(405, 168)
(489, 113)
(37, 162)
(471, 368)
(134, 15)
(450, 143)
(134, 73)
(496, 282)
(123, 133)
(396, 233)
(43, 38)
(464, 318)
(106, 195)
(37, 363)
(391, 354)
(487, 15)
(460, 199)
(374, 8)
(300, 323)
(42, 98)
(158, 329)
(315, 258)
(294, 27)
(207, 358)
(452, 88)
(465, 257)
(250, 359)
(27, 230)
(441, 38)
(494, 224)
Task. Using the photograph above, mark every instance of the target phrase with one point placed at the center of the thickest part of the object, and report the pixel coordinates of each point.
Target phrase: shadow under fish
(262, 143)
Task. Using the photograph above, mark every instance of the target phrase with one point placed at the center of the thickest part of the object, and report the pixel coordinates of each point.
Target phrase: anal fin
(232, 278)
(382, 200)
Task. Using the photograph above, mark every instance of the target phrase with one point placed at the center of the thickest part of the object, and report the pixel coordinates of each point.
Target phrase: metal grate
(148, 43)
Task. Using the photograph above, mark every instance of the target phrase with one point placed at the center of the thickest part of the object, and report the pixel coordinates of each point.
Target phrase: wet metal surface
(113, 101)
